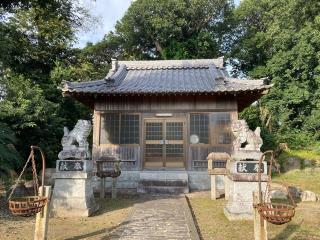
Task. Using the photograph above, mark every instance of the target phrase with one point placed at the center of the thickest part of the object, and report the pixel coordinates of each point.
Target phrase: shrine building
(165, 115)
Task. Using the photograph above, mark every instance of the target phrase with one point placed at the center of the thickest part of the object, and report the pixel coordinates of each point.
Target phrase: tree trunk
(159, 49)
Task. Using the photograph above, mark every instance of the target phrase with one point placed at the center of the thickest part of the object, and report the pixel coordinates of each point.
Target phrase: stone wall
(129, 180)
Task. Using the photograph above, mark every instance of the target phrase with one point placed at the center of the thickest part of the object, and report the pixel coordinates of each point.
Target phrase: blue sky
(107, 13)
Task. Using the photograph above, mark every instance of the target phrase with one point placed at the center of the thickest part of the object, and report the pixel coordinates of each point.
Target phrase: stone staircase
(163, 182)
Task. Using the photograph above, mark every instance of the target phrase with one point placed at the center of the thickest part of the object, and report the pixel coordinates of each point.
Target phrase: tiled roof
(166, 77)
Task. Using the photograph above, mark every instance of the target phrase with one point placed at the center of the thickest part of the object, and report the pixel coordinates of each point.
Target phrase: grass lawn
(312, 157)
(305, 225)
(214, 225)
(306, 179)
(100, 226)
(303, 154)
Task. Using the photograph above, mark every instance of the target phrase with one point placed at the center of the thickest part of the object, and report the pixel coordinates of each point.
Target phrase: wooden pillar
(42, 218)
(260, 225)
(102, 187)
(213, 187)
(114, 188)
(226, 187)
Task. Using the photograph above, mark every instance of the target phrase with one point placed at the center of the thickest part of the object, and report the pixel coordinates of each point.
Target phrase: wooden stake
(42, 218)
(102, 188)
(260, 225)
(213, 187)
(114, 188)
(226, 187)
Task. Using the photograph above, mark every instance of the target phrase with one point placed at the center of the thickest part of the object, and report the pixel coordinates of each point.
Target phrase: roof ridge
(169, 67)
(191, 63)
(120, 73)
(246, 81)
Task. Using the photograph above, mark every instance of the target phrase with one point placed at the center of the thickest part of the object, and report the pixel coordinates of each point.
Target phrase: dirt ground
(102, 225)
(210, 220)
(212, 223)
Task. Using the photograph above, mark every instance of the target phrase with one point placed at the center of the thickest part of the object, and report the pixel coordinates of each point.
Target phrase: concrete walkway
(159, 217)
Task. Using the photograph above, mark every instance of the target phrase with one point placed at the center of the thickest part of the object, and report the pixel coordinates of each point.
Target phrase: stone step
(163, 183)
(162, 190)
(157, 182)
(164, 175)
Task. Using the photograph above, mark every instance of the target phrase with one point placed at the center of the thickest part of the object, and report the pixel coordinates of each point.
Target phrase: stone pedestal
(73, 189)
(242, 180)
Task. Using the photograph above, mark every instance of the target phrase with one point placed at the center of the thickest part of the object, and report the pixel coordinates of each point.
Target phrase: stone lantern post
(242, 172)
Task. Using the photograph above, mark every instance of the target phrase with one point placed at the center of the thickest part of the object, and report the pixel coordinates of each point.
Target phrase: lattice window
(119, 128)
(221, 119)
(221, 128)
(174, 131)
(224, 138)
(174, 150)
(154, 151)
(129, 133)
(110, 128)
(154, 131)
(199, 128)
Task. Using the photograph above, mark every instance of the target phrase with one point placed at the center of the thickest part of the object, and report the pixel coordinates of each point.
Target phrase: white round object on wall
(194, 139)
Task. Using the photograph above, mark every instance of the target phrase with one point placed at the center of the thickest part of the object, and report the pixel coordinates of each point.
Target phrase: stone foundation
(129, 180)
(240, 189)
(240, 201)
(73, 192)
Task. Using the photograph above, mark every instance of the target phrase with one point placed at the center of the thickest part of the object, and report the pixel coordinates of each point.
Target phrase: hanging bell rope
(272, 212)
(29, 205)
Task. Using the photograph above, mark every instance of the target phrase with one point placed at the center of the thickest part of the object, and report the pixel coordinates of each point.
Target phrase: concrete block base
(73, 195)
(237, 216)
(240, 200)
(63, 213)
(240, 187)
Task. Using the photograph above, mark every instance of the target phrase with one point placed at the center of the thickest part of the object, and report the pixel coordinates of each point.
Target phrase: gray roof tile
(166, 77)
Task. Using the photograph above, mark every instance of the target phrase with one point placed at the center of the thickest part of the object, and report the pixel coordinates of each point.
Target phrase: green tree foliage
(24, 104)
(9, 157)
(172, 29)
(280, 39)
(252, 115)
(35, 36)
(30, 115)
(91, 62)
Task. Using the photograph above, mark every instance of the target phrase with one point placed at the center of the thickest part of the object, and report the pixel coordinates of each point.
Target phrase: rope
(267, 191)
(34, 173)
(35, 177)
(267, 197)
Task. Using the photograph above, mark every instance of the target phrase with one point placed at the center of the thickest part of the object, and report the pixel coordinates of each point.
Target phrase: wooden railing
(199, 153)
(129, 154)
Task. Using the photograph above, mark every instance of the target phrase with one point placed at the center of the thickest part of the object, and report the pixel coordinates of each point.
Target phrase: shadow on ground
(111, 233)
(287, 232)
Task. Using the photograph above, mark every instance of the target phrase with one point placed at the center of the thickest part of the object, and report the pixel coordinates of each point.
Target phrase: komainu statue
(246, 139)
(74, 142)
